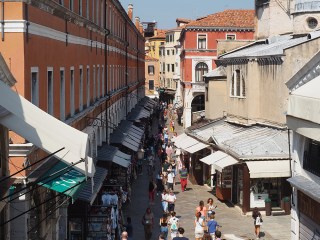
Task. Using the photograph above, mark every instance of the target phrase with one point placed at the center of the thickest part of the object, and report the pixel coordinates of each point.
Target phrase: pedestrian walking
(129, 228)
(147, 222)
(256, 215)
(207, 236)
(159, 183)
(198, 226)
(218, 235)
(124, 235)
(212, 225)
(183, 178)
(210, 207)
(164, 225)
(174, 225)
(170, 180)
(180, 235)
(171, 199)
(152, 189)
(164, 201)
(202, 209)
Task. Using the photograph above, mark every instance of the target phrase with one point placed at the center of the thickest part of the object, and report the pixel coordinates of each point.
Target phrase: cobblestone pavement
(234, 224)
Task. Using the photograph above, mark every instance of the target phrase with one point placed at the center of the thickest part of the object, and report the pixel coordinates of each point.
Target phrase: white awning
(269, 169)
(197, 147)
(186, 142)
(219, 160)
(304, 127)
(45, 131)
(306, 185)
(304, 102)
(178, 138)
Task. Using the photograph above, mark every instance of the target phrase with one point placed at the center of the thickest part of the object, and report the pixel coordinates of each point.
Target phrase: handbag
(258, 221)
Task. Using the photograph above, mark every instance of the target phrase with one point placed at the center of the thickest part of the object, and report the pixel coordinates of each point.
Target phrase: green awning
(60, 178)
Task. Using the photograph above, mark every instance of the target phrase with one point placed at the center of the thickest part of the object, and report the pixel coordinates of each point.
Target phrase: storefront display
(224, 183)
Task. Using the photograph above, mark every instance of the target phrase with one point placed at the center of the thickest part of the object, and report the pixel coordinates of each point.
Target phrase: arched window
(201, 69)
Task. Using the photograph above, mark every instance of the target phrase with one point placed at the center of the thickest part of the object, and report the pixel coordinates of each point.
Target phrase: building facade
(152, 77)
(199, 50)
(76, 61)
(304, 123)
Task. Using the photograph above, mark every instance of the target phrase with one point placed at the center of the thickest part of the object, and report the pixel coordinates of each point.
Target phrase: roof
(184, 20)
(227, 18)
(254, 142)
(270, 47)
(160, 34)
(217, 72)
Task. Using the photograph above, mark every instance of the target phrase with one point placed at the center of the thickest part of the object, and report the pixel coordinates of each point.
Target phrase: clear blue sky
(165, 12)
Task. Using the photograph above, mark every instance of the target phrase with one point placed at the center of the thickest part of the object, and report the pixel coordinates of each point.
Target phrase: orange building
(78, 61)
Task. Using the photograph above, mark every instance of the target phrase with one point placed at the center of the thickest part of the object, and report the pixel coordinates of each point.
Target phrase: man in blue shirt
(212, 225)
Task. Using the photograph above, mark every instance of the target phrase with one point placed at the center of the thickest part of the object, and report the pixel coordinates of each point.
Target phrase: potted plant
(286, 205)
(267, 202)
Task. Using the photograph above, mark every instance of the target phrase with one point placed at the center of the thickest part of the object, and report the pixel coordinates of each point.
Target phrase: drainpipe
(2, 20)
(107, 33)
(126, 79)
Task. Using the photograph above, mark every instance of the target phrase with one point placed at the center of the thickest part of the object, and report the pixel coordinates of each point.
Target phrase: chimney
(141, 28)
(130, 11)
(137, 22)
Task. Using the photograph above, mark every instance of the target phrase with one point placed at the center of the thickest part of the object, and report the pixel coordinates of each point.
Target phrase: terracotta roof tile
(160, 34)
(227, 18)
(184, 20)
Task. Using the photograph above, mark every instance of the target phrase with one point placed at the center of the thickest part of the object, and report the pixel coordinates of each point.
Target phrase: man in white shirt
(171, 199)
(170, 180)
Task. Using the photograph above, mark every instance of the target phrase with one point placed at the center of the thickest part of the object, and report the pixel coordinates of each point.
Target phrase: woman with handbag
(147, 222)
(164, 225)
(256, 215)
(198, 226)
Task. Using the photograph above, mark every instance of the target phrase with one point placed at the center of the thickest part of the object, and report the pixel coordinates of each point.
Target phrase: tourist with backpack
(173, 225)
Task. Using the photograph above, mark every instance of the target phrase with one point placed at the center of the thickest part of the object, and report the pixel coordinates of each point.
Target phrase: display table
(257, 199)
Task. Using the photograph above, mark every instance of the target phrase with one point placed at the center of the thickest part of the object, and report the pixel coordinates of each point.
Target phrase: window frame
(80, 88)
(34, 90)
(151, 81)
(198, 76)
(202, 36)
(233, 35)
(310, 163)
(238, 84)
(72, 92)
(50, 91)
(149, 71)
(62, 92)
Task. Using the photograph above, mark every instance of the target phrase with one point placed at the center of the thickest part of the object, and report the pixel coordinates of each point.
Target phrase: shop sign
(309, 207)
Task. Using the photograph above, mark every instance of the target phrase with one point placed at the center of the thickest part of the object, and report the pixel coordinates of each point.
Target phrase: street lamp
(140, 154)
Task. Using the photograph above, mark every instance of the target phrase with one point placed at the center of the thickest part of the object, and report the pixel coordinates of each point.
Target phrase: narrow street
(234, 224)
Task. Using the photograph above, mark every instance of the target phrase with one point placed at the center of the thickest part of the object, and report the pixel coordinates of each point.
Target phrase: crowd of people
(160, 155)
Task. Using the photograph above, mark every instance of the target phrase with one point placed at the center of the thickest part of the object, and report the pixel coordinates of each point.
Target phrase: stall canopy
(269, 169)
(306, 186)
(196, 147)
(86, 194)
(119, 137)
(137, 113)
(304, 108)
(44, 131)
(113, 154)
(132, 130)
(58, 176)
(219, 160)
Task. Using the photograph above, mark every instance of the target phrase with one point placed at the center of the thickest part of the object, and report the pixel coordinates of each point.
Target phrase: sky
(165, 12)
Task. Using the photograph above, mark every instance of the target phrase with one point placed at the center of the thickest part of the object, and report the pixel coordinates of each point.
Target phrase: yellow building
(153, 43)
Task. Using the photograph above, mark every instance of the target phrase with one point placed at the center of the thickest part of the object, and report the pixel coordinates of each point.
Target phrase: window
(151, 84)
(311, 160)
(168, 67)
(312, 22)
(80, 88)
(238, 86)
(102, 80)
(201, 69)
(71, 91)
(35, 86)
(168, 52)
(50, 90)
(164, 67)
(98, 82)
(231, 37)
(151, 70)
(87, 9)
(62, 95)
(88, 86)
(71, 5)
(94, 83)
(202, 41)
(172, 67)
(172, 52)
(61, 2)
(80, 7)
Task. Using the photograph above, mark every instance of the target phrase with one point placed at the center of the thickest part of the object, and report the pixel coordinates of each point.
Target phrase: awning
(184, 141)
(197, 147)
(60, 178)
(86, 194)
(304, 127)
(130, 129)
(137, 113)
(304, 102)
(44, 131)
(307, 186)
(219, 159)
(113, 154)
(118, 137)
(269, 169)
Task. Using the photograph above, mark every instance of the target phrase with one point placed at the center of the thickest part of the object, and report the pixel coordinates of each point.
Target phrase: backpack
(174, 226)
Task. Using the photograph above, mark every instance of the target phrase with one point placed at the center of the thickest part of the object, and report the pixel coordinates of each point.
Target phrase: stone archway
(198, 103)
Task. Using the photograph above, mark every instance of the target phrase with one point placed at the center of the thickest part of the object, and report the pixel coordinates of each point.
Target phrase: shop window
(311, 160)
(200, 70)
